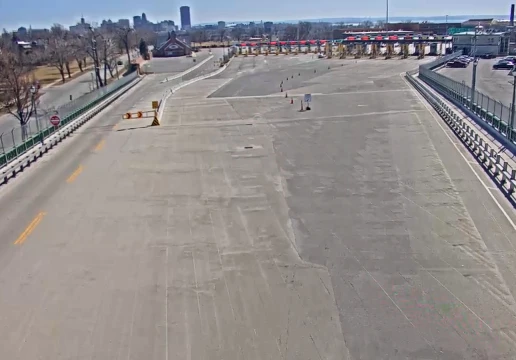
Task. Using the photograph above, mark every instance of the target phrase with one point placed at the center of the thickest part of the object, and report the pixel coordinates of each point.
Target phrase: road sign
(308, 98)
(55, 120)
(155, 104)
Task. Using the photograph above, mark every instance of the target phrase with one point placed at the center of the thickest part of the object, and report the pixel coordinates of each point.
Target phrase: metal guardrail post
(3, 148)
(14, 143)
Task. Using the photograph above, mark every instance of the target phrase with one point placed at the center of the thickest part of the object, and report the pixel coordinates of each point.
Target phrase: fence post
(501, 112)
(3, 148)
(14, 143)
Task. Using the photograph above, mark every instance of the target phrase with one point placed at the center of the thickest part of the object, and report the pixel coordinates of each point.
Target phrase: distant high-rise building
(144, 18)
(267, 27)
(137, 21)
(124, 23)
(222, 24)
(185, 17)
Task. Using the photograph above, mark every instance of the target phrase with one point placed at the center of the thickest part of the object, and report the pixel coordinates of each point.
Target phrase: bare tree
(59, 51)
(79, 52)
(91, 45)
(222, 34)
(126, 40)
(108, 54)
(237, 33)
(16, 81)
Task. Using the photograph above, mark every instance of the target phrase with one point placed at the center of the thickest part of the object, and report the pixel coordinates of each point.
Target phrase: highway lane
(56, 96)
(418, 243)
(243, 228)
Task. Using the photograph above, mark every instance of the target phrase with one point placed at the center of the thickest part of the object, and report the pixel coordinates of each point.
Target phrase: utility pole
(513, 106)
(387, 17)
(33, 92)
(96, 58)
(475, 63)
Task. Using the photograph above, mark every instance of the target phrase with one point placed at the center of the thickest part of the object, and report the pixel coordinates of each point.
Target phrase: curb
(187, 71)
(169, 93)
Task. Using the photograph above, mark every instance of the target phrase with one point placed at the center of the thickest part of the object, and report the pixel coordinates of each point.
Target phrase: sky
(38, 14)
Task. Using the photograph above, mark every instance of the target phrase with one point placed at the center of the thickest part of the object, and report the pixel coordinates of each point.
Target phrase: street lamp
(513, 106)
(387, 18)
(475, 63)
(33, 92)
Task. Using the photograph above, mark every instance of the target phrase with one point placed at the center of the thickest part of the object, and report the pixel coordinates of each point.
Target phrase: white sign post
(308, 100)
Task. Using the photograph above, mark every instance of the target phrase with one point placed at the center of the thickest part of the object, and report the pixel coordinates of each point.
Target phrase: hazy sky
(44, 13)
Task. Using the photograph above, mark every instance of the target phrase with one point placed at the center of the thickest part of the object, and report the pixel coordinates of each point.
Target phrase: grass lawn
(47, 74)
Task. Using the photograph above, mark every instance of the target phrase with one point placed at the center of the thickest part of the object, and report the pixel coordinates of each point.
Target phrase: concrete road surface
(493, 83)
(244, 228)
(178, 65)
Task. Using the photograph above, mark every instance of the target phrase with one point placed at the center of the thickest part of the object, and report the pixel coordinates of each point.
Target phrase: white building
(486, 43)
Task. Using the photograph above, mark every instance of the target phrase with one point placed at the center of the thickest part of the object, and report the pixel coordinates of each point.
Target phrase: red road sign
(55, 120)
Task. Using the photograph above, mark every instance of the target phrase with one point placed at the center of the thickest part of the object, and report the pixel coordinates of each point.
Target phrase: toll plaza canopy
(353, 39)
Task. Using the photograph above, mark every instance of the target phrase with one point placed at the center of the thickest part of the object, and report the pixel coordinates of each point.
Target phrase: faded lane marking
(115, 126)
(34, 223)
(100, 145)
(75, 174)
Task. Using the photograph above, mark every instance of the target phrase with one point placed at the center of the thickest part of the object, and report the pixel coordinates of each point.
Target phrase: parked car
(503, 64)
(465, 58)
(457, 64)
(488, 56)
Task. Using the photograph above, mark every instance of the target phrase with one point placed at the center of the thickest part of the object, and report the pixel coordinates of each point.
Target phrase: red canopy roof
(273, 42)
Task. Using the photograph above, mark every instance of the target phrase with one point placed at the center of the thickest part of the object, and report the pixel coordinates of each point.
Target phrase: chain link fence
(21, 138)
(490, 110)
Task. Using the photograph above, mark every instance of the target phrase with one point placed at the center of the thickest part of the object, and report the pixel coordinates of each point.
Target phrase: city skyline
(203, 12)
(436, 18)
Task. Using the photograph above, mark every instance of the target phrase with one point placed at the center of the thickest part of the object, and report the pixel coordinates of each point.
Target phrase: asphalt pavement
(493, 83)
(243, 227)
(176, 65)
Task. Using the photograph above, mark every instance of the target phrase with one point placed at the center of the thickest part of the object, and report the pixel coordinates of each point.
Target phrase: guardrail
(18, 164)
(494, 164)
(493, 113)
(21, 139)
(440, 61)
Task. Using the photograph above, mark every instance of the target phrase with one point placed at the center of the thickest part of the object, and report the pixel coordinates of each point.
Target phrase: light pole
(475, 63)
(96, 58)
(513, 106)
(33, 92)
(387, 17)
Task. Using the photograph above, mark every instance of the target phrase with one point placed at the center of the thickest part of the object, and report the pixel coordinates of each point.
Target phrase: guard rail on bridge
(22, 138)
(491, 114)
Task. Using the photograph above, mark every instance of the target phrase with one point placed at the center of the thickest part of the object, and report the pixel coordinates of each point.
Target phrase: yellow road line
(100, 145)
(21, 239)
(75, 174)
